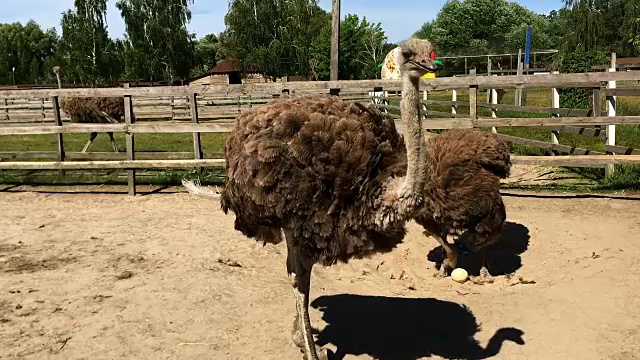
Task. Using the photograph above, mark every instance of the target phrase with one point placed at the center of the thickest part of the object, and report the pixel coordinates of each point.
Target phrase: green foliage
(578, 62)
(362, 47)
(485, 26)
(425, 31)
(90, 56)
(157, 44)
(30, 49)
(272, 36)
(604, 25)
(206, 53)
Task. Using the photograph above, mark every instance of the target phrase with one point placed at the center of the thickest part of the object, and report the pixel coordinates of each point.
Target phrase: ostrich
(93, 110)
(462, 192)
(334, 180)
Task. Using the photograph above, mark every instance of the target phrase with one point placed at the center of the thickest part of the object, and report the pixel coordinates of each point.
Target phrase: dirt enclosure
(165, 276)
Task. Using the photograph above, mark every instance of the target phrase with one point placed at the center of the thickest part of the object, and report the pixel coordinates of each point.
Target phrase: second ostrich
(462, 192)
(333, 180)
(93, 110)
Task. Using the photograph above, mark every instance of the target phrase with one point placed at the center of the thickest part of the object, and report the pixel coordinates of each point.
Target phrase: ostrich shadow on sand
(398, 328)
(502, 258)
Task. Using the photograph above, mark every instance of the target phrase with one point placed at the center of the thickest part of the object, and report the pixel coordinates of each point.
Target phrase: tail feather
(194, 187)
(501, 167)
(495, 157)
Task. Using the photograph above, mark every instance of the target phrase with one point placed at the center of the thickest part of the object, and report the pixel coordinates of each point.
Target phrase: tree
(485, 26)
(602, 25)
(273, 35)
(206, 51)
(28, 49)
(86, 49)
(363, 45)
(425, 31)
(157, 44)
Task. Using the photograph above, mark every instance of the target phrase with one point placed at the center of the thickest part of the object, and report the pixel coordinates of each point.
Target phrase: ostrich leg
(299, 270)
(113, 142)
(485, 277)
(91, 138)
(450, 253)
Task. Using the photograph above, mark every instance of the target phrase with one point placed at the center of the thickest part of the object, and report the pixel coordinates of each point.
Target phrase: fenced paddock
(210, 110)
(166, 276)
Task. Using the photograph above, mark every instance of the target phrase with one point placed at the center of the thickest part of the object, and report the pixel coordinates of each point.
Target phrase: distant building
(229, 71)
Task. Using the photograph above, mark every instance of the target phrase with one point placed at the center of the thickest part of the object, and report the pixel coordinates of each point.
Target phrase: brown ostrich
(334, 180)
(462, 192)
(93, 110)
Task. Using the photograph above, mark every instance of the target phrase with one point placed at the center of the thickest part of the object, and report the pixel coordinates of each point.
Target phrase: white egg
(459, 275)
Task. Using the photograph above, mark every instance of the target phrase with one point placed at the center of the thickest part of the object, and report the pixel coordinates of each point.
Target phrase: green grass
(625, 178)
(210, 142)
(167, 142)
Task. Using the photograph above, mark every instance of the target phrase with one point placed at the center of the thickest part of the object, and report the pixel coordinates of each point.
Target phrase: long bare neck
(410, 113)
(402, 196)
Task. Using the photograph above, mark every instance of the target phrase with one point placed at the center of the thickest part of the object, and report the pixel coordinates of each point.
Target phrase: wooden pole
(555, 103)
(6, 109)
(518, 100)
(454, 98)
(424, 104)
(611, 111)
(597, 107)
(489, 74)
(335, 40)
(473, 98)
(129, 119)
(197, 147)
(494, 101)
(56, 114)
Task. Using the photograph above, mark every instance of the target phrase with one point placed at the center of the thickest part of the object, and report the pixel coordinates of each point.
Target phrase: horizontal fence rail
(211, 109)
(584, 80)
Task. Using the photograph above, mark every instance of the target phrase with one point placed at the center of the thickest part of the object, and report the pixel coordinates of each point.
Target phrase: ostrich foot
(484, 278)
(297, 335)
(444, 269)
(321, 353)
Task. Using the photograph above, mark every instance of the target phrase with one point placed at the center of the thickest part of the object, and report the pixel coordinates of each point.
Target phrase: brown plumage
(95, 110)
(334, 180)
(462, 192)
(314, 166)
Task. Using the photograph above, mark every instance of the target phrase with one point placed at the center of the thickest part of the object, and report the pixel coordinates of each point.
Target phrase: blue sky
(399, 18)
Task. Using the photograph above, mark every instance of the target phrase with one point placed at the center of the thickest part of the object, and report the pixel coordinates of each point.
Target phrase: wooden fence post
(555, 103)
(6, 109)
(611, 111)
(454, 98)
(44, 113)
(130, 119)
(424, 103)
(473, 100)
(56, 115)
(385, 100)
(518, 93)
(494, 112)
(597, 104)
(197, 147)
(489, 91)
(172, 102)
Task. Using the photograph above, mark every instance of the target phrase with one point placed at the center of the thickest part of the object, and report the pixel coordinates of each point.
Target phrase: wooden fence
(248, 95)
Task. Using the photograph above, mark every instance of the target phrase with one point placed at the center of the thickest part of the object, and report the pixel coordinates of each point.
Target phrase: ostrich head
(415, 58)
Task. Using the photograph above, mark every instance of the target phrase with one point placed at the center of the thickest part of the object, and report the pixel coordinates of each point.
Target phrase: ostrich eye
(407, 53)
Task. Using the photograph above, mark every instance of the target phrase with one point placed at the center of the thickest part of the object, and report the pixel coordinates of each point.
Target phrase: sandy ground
(165, 276)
